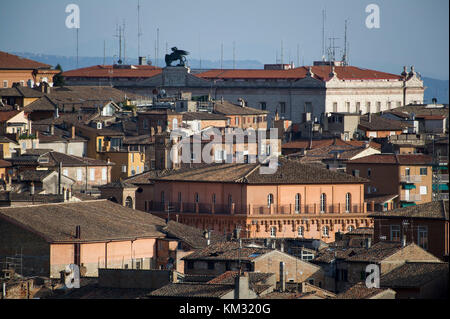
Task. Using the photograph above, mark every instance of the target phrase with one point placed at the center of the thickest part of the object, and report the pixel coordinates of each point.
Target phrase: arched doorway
(129, 202)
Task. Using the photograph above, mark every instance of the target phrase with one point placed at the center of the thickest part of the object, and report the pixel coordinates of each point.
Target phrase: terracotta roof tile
(378, 123)
(399, 159)
(106, 71)
(11, 61)
(99, 220)
(360, 291)
(320, 72)
(414, 274)
(431, 210)
(288, 172)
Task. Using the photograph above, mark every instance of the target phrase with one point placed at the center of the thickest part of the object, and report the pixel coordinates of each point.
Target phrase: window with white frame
(423, 190)
(297, 203)
(325, 231)
(124, 168)
(92, 174)
(301, 231)
(5, 83)
(273, 231)
(323, 203)
(395, 232)
(104, 173)
(422, 237)
(269, 200)
(348, 202)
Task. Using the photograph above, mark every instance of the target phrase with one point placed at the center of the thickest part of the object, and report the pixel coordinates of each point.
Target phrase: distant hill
(70, 62)
(435, 88)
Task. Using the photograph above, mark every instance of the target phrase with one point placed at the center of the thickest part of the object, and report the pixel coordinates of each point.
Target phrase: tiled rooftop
(431, 210)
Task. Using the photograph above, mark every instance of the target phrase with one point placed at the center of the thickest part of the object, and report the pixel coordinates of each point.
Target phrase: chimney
(52, 129)
(73, 131)
(241, 287)
(404, 241)
(282, 277)
(369, 117)
(142, 60)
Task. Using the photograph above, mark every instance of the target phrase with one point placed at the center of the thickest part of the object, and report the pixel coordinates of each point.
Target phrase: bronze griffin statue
(176, 55)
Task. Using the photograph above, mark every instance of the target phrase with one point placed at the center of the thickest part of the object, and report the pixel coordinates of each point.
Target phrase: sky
(411, 32)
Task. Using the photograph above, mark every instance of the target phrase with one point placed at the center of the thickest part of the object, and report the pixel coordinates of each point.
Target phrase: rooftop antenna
(104, 52)
(234, 55)
(298, 55)
(221, 56)
(139, 28)
(281, 56)
(157, 45)
(324, 12)
(167, 48)
(199, 52)
(119, 35)
(332, 49)
(344, 57)
(276, 56)
(77, 47)
(123, 35)
(155, 54)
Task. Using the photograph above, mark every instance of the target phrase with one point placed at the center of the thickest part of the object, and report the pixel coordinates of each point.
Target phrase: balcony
(410, 197)
(257, 210)
(410, 178)
(443, 178)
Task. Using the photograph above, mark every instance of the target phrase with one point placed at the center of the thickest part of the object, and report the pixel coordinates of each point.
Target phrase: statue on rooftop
(176, 55)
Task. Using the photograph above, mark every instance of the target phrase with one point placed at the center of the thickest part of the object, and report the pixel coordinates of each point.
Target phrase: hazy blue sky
(412, 32)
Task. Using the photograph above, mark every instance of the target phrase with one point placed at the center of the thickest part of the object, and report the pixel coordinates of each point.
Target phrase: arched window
(350, 228)
(325, 231)
(163, 199)
(301, 231)
(323, 203)
(269, 200)
(348, 202)
(196, 197)
(297, 203)
(174, 124)
(129, 202)
(273, 231)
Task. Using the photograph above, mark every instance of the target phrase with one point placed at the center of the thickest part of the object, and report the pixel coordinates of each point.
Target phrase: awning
(442, 187)
(408, 204)
(409, 186)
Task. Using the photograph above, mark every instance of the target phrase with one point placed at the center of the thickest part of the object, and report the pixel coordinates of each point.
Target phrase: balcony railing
(410, 197)
(410, 178)
(443, 178)
(291, 209)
